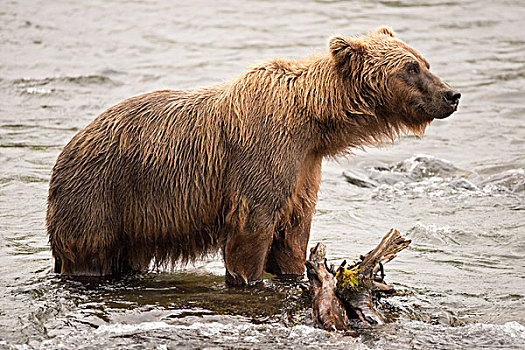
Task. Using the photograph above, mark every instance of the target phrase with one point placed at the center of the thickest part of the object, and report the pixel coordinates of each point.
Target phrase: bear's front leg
(245, 254)
(288, 252)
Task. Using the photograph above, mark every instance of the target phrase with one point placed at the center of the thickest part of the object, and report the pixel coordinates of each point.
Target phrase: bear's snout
(452, 98)
(448, 103)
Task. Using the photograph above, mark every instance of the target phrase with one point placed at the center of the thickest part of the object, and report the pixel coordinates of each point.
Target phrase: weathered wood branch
(328, 310)
(349, 291)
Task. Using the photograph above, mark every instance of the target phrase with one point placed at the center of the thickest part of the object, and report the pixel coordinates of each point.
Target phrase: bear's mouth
(446, 115)
(451, 108)
(442, 113)
(426, 116)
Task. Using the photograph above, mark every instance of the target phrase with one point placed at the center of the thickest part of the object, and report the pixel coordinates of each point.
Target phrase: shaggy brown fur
(172, 175)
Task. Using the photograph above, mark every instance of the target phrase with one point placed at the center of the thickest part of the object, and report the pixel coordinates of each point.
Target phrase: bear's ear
(341, 48)
(385, 30)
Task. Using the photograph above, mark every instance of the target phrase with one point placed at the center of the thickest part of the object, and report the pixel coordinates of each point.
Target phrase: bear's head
(387, 78)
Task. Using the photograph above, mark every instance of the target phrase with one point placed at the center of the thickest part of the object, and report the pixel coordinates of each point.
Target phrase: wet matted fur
(170, 176)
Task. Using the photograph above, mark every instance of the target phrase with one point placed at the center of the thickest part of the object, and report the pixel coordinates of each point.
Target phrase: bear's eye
(412, 68)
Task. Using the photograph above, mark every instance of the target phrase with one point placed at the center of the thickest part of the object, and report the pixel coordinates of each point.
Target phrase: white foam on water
(238, 330)
(512, 329)
(37, 91)
(123, 328)
(508, 332)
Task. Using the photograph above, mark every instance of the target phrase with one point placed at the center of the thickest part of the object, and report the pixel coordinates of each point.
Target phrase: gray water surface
(457, 193)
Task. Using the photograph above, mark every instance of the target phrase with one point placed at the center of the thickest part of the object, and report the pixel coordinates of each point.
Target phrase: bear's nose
(452, 97)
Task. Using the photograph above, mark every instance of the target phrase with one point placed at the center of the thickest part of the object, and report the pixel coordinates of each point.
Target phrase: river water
(457, 193)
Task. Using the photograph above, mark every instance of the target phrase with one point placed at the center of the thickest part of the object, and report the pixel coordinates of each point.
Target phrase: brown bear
(173, 175)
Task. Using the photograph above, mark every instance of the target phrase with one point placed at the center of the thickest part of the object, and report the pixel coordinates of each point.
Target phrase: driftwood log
(347, 292)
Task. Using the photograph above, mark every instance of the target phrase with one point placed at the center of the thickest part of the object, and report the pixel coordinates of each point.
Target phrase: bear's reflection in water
(170, 296)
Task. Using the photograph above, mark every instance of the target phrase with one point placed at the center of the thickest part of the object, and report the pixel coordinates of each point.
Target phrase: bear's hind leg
(58, 265)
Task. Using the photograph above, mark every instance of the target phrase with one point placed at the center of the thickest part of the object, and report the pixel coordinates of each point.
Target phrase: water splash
(428, 176)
